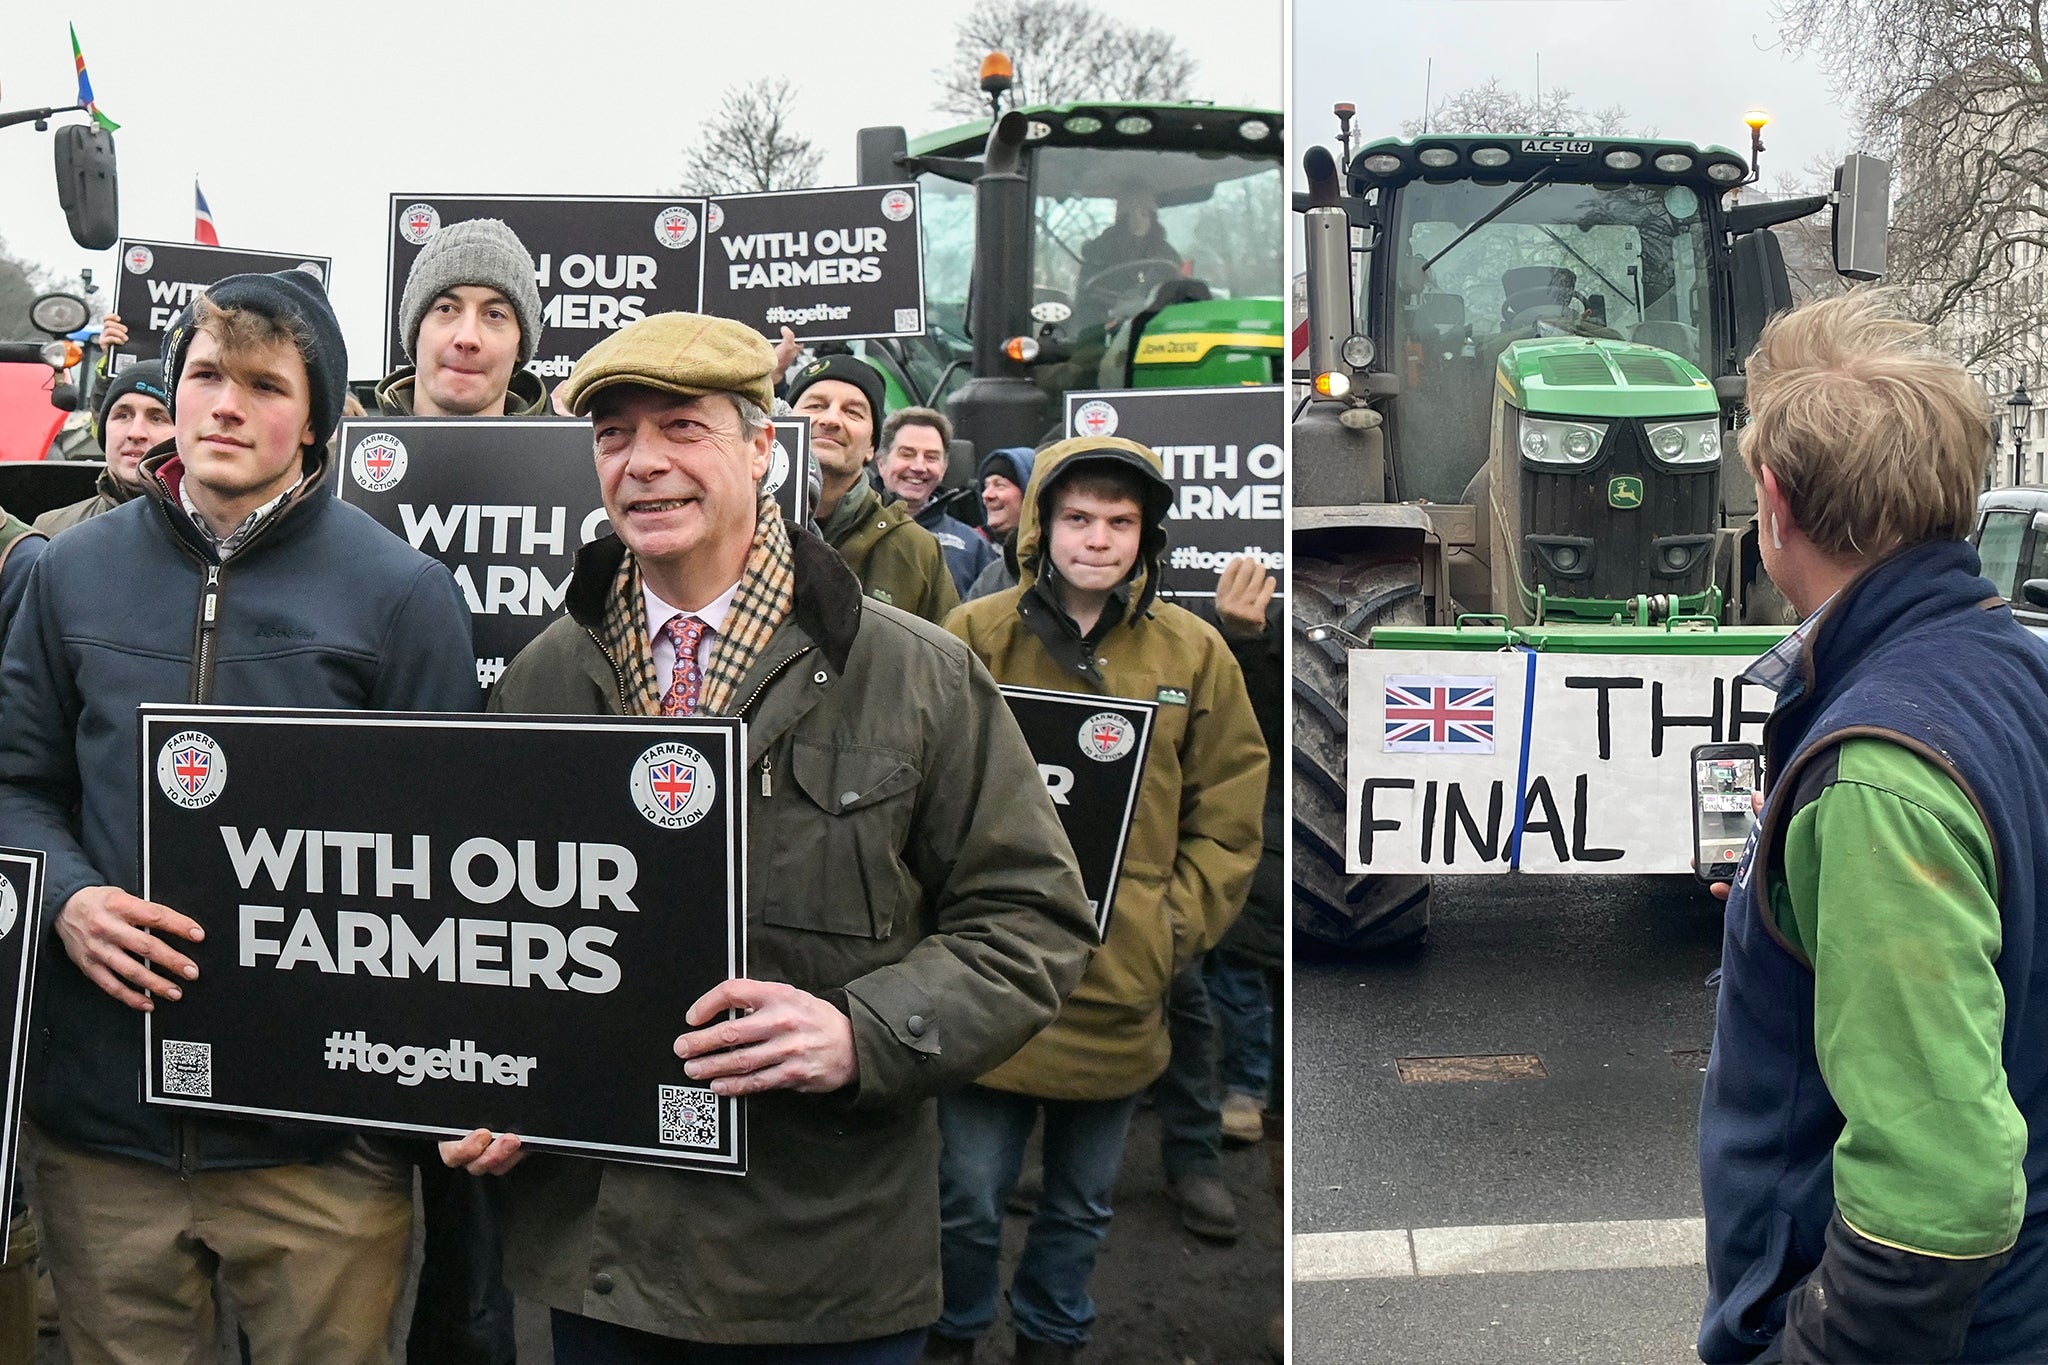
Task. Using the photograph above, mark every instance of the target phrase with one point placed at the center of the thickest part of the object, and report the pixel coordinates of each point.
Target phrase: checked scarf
(766, 596)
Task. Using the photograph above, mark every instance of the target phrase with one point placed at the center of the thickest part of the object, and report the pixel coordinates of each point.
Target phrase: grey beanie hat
(480, 251)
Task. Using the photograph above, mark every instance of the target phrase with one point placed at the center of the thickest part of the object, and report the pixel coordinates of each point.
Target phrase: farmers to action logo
(378, 462)
(10, 907)
(1095, 418)
(672, 786)
(191, 769)
(1107, 736)
(419, 222)
(675, 227)
(139, 259)
(896, 205)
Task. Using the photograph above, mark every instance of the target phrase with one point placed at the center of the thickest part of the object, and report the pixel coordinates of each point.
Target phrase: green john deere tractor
(1086, 246)
(1520, 426)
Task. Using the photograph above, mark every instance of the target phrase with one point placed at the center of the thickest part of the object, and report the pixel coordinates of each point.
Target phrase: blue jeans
(1244, 1018)
(985, 1132)
(589, 1341)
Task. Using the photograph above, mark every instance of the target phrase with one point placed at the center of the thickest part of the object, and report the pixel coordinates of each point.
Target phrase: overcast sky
(300, 120)
(1689, 71)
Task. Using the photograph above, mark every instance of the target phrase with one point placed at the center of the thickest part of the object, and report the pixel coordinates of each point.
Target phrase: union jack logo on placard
(673, 786)
(672, 783)
(191, 770)
(1439, 715)
(191, 767)
(419, 222)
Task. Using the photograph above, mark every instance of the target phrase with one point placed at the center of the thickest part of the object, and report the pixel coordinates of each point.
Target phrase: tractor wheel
(1332, 906)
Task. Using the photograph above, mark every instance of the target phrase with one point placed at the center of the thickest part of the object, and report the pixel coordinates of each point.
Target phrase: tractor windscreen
(1563, 259)
(1113, 224)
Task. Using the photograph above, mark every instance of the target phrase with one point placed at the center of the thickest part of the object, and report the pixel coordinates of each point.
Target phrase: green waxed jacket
(897, 561)
(905, 863)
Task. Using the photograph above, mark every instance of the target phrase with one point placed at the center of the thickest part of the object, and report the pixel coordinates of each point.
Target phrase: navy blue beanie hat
(146, 378)
(294, 298)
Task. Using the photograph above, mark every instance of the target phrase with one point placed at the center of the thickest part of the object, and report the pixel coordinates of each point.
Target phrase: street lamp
(2021, 407)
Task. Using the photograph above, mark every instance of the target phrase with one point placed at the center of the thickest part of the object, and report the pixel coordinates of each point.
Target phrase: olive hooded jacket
(1195, 837)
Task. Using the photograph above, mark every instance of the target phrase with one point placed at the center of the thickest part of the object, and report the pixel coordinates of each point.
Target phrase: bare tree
(1494, 108)
(749, 145)
(1062, 50)
(22, 281)
(1952, 92)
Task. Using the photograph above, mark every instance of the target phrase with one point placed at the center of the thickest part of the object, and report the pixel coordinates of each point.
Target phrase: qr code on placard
(906, 320)
(188, 1069)
(689, 1117)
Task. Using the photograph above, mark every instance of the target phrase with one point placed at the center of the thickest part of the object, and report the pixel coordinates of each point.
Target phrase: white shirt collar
(659, 613)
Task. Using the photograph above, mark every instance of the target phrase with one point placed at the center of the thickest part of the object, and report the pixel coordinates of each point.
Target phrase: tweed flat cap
(690, 354)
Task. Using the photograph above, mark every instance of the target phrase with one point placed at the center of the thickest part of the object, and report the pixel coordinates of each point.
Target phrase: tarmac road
(1524, 1219)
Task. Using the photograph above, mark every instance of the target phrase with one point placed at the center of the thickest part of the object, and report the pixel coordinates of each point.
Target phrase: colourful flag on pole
(85, 86)
(202, 222)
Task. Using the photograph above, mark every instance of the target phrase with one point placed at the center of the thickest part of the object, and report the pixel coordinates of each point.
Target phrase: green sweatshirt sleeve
(1890, 891)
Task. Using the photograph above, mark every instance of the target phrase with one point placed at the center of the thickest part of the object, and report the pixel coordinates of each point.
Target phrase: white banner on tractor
(1596, 744)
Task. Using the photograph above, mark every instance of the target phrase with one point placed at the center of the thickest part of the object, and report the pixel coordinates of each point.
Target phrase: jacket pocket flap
(842, 778)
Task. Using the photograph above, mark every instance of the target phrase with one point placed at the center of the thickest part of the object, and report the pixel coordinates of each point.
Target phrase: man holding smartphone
(1874, 1128)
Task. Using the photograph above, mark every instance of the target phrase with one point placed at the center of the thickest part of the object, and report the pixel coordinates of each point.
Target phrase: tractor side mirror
(2035, 591)
(1762, 288)
(86, 185)
(1863, 187)
(878, 153)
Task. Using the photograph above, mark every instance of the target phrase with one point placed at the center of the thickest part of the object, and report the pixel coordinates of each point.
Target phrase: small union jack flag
(1439, 715)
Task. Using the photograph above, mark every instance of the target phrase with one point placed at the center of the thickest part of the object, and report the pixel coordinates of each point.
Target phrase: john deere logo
(1625, 491)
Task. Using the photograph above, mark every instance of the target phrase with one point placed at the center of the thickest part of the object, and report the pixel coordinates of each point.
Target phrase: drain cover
(1505, 1066)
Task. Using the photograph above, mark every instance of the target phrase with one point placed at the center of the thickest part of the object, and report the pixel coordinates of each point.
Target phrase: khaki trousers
(314, 1256)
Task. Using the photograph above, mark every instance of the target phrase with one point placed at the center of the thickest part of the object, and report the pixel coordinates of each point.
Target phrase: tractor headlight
(1490, 157)
(1436, 158)
(1549, 441)
(1383, 163)
(1687, 442)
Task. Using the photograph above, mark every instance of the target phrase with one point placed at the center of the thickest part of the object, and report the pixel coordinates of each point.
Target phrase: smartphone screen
(1724, 783)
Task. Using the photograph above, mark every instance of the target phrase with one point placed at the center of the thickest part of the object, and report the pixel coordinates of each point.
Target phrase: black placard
(526, 904)
(1225, 452)
(505, 503)
(601, 262)
(21, 917)
(157, 279)
(1091, 753)
(29, 488)
(827, 264)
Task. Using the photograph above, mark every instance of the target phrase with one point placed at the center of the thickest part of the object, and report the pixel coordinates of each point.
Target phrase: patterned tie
(687, 682)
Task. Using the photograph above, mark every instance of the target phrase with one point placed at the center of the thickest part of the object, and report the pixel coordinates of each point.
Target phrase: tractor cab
(1133, 246)
(1551, 310)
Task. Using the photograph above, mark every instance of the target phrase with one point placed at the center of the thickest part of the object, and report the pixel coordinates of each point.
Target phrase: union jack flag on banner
(1439, 715)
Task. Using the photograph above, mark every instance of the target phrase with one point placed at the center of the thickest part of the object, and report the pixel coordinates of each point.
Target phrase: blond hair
(1877, 439)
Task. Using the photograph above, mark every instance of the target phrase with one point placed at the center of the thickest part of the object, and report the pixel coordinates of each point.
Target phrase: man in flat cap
(914, 913)
(470, 320)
